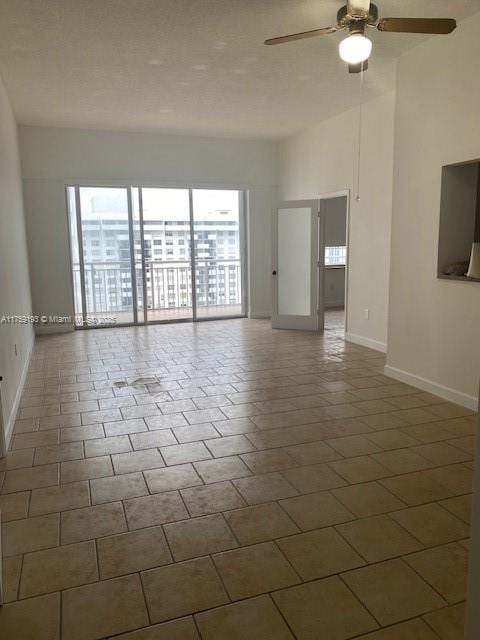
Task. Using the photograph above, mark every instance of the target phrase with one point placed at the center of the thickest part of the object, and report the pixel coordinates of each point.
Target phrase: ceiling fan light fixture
(356, 16)
(355, 48)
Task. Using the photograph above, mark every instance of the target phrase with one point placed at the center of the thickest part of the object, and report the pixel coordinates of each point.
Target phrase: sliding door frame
(140, 187)
(81, 257)
(133, 266)
(143, 261)
(242, 203)
(193, 260)
(242, 231)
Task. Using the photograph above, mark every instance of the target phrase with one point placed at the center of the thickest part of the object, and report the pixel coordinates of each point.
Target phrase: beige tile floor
(224, 480)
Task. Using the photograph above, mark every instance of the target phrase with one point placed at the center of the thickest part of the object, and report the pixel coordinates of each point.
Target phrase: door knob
(274, 273)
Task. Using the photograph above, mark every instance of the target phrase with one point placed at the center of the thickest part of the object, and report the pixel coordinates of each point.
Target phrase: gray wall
(335, 212)
(334, 287)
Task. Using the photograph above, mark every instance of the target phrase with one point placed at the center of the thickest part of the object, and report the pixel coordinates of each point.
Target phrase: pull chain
(360, 115)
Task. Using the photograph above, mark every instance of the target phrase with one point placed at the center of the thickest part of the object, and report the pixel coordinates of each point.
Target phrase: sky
(167, 204)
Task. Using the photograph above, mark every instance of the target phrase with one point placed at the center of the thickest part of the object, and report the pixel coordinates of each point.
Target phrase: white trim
(54, 328)
(366, 342)
(16, 403)
(259, 315)
(335, 304)
(244, 237)
(154, 183)
(458, 397)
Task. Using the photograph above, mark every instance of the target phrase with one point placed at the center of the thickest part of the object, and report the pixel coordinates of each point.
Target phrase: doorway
(334, 217)
(310, 274)
(145, 255)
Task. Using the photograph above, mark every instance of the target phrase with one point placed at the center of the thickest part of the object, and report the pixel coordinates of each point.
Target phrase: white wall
(14, 278)
(434, 325)
(52, 157)
(323, 159)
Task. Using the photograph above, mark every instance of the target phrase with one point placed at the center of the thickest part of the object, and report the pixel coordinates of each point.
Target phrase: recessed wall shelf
(458, 278)
(459, 218)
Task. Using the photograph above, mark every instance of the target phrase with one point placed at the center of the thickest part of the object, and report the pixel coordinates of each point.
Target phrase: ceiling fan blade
(301, 35)
(358, 7)
(441, 26)
(357, 68)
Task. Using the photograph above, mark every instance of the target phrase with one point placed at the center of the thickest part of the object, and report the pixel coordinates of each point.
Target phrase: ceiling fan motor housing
(346, 19)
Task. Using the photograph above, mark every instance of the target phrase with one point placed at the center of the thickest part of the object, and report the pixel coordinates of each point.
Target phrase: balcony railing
(108, 285)
(169, 285)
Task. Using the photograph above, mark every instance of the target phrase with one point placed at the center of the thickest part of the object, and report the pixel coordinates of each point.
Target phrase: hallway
(225, 480)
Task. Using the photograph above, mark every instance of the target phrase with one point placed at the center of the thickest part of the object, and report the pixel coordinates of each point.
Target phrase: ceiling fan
(356, 16)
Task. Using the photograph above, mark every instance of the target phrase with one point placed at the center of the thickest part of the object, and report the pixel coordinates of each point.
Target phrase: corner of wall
(366, 342)
(16, 338)
(10, 420)
(437, 389)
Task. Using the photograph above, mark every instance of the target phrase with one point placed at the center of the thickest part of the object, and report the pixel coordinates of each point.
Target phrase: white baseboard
(53, 328)
(452, 395)
(16, 403)
(259, 315)
(366, 342)
(334, 305)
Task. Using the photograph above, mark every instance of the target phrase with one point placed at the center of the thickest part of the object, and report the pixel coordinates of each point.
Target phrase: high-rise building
(167, 250)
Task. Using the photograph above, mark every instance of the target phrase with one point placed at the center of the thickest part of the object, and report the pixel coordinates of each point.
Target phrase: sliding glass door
(147, 255)
(103, 277)
(168, 268)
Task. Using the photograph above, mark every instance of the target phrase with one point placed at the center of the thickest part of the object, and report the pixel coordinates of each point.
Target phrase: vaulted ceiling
(191, 66)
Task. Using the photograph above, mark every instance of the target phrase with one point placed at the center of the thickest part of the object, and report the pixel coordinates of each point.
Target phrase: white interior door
(296, 266)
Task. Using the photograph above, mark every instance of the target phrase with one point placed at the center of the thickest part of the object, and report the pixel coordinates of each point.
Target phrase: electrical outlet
(367, 314)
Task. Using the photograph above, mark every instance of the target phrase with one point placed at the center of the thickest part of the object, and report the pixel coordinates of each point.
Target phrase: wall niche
(459, 219)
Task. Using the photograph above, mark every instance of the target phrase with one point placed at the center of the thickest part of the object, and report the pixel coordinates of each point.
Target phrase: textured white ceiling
(191, 66)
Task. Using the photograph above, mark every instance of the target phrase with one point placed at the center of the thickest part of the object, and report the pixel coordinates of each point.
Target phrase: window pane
(216, 220)
(106, 254)
(335, 256)
(166, 220)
